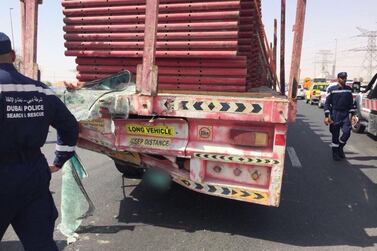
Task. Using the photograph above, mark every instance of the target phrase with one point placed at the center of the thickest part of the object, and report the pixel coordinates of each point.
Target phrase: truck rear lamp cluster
(217, 169)
(249, 138)
(256, 175)
(237, 172)
(242, 174)
(280, 139)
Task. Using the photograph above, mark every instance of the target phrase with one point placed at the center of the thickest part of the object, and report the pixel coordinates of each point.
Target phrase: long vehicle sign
(158, 131)
(156, 137)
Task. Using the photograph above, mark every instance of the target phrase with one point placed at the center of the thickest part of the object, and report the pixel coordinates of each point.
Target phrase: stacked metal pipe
(211, 45)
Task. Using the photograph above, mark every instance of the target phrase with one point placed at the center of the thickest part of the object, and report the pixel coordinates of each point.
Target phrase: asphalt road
(325, 205)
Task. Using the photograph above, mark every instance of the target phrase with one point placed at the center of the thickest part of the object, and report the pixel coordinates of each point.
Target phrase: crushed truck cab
(232, 147)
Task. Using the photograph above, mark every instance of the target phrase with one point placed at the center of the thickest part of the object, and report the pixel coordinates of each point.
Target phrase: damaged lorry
(188, 87)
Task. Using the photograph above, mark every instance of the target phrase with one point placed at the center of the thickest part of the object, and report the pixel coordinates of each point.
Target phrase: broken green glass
(75, 202)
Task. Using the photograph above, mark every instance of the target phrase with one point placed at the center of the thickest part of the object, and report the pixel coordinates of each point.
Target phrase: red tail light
(280, 139)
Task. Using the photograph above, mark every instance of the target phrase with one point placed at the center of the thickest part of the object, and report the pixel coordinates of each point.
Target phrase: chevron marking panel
(223, 191)
(221, 106)
(237, 159)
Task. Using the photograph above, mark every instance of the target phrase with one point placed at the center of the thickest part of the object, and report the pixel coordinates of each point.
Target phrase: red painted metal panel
(89, 77)
(29, 10)
(201, 87)
(138, 36)
(161, 27)
(229, 39)
(108, 61)
(146, 84)
(160, 45)
(238, 62)
(164, 18)
(167, 70)
(93, 3)
(163, 8)
(297, 47)
(282, 47)
(95, 136)
(202, 80)
(230, 62)
(104, 69)
(203, 72)
(213, 54)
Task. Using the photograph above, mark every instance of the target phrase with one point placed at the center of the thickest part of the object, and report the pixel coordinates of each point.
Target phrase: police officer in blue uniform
(27, 109)
(338, 108)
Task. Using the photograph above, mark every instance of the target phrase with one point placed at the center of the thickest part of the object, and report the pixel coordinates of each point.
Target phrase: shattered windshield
(84, 105)
(116, 82)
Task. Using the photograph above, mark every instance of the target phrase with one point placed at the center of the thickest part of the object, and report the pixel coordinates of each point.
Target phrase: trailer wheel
(358, 127)
(128, 170)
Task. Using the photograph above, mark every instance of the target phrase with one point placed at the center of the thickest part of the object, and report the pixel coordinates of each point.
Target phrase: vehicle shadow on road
(17, 246)
(103, 229)
(324, 203)
(365, 158)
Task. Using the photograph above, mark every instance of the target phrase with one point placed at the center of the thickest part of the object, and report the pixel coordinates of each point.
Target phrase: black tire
(311, 102)
(307, 101)
(358, 127)
(320, 105)
(128, 170)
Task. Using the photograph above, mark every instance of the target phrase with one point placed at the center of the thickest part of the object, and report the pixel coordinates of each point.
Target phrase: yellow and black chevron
(231, 192)
(219, 106)
(237, 159)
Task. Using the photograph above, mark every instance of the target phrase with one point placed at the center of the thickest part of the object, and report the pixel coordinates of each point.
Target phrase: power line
(336, 53)
(370, 50)
(324, 61)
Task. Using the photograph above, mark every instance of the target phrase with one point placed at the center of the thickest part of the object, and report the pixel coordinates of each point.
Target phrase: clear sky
(326, 21)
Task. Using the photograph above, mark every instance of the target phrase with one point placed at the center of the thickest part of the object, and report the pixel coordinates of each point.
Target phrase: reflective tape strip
(238, 193)
(327, 111)
(334, 145)
(218, 106)
(24, 88)
(61, 148)
(341, 142)
(352, 110)
(341, 91)
(237, 159)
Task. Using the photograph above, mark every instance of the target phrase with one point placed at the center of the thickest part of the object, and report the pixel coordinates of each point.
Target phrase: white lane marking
(371, 232)
(352, 149)
(293, 157)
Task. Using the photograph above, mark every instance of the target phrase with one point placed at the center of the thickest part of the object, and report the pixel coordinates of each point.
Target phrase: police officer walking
(27, 109)
(338, 108)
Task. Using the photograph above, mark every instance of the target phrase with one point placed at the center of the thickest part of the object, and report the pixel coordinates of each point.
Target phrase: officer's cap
(5, 44)
(342, 75)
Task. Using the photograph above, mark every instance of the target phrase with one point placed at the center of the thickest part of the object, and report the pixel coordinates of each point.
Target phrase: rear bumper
(227, 146)
(226, 171)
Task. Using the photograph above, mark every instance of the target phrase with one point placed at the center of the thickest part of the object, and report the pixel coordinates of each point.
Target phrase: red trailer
(202, 108)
